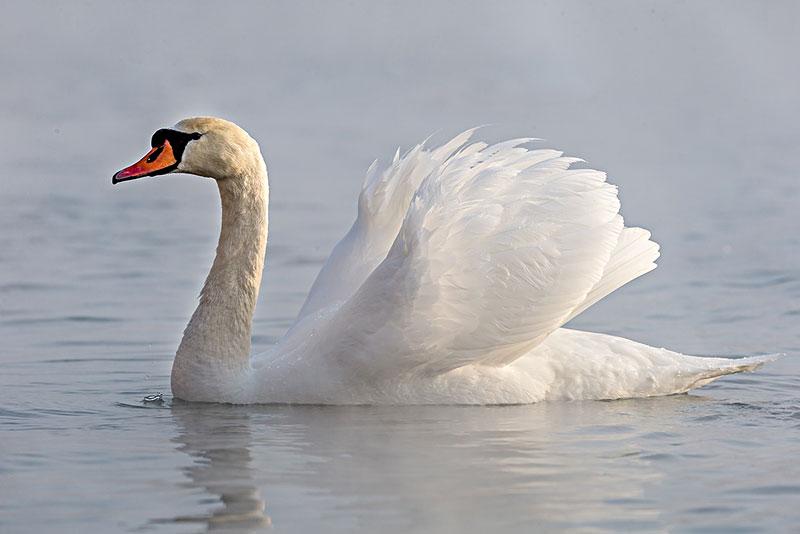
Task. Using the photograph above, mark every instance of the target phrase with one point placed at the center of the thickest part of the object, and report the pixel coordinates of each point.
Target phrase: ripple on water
(766, 491)
(65, 319)
(14, 414)
(25, 287)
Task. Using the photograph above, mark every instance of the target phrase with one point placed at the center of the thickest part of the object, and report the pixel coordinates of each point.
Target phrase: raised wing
(382, 204)
(498, 248)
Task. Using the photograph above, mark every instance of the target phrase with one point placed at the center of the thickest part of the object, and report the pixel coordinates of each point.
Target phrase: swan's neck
(215, 349)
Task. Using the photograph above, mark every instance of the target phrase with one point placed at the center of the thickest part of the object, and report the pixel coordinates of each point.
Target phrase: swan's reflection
(549, 466)
(220, 445)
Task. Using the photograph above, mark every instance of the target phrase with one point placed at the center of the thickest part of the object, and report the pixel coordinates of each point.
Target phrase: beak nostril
(155, 154)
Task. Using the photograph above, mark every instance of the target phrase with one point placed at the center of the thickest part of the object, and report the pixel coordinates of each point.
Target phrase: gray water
(691, 107)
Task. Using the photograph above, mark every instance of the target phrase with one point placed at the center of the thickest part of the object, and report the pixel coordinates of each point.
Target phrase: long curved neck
(216, 342)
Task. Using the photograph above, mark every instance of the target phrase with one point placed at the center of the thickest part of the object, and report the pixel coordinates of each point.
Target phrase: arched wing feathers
(382, 205)
(496, 247)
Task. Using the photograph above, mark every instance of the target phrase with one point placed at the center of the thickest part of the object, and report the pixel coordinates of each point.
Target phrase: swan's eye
(155, 154)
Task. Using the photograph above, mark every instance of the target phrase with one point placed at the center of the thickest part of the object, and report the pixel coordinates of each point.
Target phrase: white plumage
(452, 286)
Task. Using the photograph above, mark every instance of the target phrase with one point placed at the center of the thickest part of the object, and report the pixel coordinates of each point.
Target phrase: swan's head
(205, 146)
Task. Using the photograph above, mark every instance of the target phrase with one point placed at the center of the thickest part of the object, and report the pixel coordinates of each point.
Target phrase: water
(691, 108)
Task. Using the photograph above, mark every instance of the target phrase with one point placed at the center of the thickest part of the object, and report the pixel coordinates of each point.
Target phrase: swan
(451, 287)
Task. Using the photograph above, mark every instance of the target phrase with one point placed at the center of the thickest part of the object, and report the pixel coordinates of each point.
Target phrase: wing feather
(382, 204)
(634, 256)
(498, 247)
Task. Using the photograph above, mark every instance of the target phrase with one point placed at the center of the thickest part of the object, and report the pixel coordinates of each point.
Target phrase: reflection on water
(220, 450)
(585, 466)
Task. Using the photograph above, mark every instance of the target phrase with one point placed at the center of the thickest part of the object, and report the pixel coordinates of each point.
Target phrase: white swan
(451, 286)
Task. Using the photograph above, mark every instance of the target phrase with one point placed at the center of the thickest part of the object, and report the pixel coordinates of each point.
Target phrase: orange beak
(160, 160)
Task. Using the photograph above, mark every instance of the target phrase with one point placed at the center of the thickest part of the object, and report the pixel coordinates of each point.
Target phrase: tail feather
(598, 366)
(728, 366)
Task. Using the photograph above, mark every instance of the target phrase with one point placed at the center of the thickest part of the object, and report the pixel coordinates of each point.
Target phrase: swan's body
(452, 286)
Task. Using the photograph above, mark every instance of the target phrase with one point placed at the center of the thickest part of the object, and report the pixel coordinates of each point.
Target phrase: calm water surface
(692, 110)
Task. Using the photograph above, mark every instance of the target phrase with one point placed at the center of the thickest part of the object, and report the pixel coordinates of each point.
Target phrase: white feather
(382, 204)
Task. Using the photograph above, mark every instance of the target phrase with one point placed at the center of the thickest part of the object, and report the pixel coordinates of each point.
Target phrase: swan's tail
(728, 366)
(599, 366)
